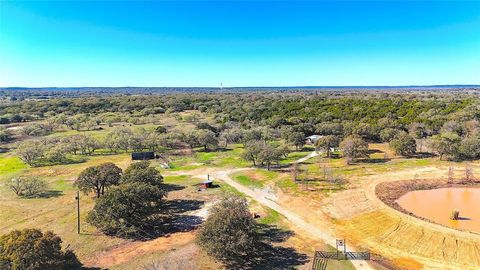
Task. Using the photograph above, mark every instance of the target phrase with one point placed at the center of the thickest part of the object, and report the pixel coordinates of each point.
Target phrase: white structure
(313, 138)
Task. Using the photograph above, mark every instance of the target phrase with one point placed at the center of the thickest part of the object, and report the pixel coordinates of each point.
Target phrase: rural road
(307, 157)
(295, 219)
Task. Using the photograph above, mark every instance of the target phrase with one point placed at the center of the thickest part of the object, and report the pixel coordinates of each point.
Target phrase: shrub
(30, 249)
(28, 186)
(403, 144)
(230, 232)
(354, 147)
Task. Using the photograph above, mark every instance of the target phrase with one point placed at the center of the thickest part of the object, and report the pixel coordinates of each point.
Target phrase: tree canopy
(31, 249)
(128, 210)
(403, 144)
(98, 178)
(230, 232)
(141, 172)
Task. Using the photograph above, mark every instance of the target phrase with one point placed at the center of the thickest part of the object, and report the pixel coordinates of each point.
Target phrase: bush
(30, 249)
(161, 129)
(5, 135)
(470, 148)
(230, 232)
(354, 147)
(403, 144)
(31, 151)
(28, 186)
(35, 130)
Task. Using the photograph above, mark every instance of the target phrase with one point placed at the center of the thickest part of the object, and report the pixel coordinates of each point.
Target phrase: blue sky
(250, 43)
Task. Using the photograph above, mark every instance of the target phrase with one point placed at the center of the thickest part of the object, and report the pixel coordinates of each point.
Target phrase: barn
(143, 155)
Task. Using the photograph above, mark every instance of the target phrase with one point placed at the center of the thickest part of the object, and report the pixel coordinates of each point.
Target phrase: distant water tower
(221, 86)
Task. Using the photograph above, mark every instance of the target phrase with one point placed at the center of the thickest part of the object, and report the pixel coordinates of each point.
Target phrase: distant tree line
(441, 123)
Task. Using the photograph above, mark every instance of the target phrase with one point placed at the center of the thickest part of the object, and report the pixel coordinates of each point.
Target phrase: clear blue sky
(251, 43)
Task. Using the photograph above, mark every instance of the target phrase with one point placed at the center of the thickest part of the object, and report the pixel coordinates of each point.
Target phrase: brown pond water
(437, 205)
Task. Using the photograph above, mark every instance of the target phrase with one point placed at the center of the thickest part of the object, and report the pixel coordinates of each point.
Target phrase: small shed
(143, 155)
(207, 184)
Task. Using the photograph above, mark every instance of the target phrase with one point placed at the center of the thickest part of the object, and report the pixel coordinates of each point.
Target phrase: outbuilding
(143, 155)
(313, 139)
(207, 183)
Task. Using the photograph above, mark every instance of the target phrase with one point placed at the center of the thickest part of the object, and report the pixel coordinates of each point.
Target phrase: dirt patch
(187, 257)
(348, 203)
(132, 250)
(407, 263)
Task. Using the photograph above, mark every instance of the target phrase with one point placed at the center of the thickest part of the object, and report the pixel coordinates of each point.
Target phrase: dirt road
(309, 156)
(297, 221)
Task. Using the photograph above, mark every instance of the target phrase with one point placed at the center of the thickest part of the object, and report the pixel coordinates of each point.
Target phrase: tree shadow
(173, 218)
(268, 255)
(223, 149)
(178, 223)
(374, 151)
(334, 156)
(180, 206)
(277, 257)
(104, 154)
(280, 168)
(171, 187)
(274, 234)
(372, 160)
(208, 150)
(62, 162)
(422, 155)
(176, 219)
(51, 194)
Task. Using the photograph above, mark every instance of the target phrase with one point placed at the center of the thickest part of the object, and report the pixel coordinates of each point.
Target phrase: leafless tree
(450, 175)
(469, 177)
(295, 170)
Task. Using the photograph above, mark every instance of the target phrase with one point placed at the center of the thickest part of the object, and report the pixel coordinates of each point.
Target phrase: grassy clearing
(257, 178)
(247, 181)
(56, 213)
(272, 217)
(11, 165)
(295, 155)
(228, 158)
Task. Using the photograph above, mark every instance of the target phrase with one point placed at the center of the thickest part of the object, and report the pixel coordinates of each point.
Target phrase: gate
(320, 260)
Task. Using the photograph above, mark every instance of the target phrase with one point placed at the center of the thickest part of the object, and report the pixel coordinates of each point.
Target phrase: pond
(437, 205)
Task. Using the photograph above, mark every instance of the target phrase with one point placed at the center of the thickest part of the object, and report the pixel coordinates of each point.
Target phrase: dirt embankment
(390, 192)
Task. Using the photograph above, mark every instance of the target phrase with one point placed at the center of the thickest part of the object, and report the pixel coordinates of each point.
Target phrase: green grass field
(58, 212)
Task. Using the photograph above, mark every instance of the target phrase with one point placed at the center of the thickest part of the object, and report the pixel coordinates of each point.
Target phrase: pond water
(437, 205)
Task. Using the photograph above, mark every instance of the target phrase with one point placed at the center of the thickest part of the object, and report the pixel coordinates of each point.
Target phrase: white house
(313, 139)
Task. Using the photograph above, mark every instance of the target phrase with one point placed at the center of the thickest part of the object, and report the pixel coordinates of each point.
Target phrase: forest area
(304, 146)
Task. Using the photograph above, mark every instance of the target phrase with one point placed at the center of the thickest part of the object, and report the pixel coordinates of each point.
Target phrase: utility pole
(78, 211)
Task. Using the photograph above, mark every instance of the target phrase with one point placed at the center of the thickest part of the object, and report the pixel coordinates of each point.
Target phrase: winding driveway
(262, 198)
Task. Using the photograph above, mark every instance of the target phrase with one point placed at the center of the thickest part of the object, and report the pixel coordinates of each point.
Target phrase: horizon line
(233, 87)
